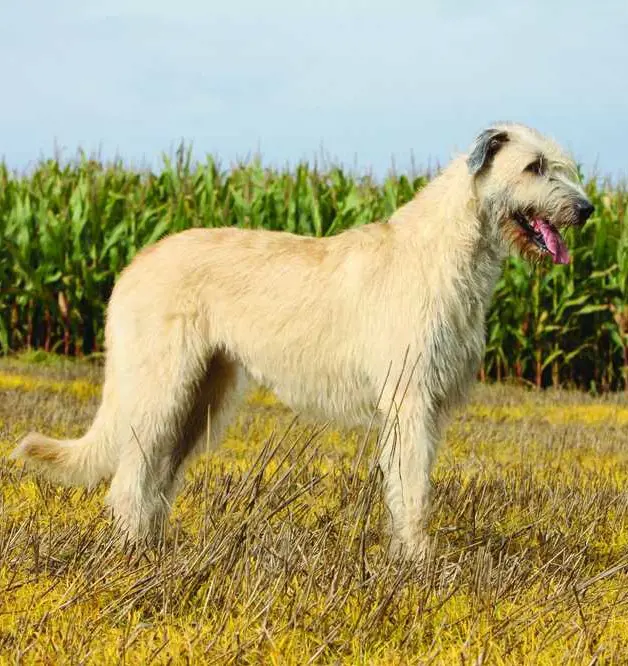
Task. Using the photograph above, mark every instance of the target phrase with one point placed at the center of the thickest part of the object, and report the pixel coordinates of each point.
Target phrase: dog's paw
(409, 550)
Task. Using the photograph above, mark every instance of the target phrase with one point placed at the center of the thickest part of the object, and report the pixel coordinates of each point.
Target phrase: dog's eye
(537, 167)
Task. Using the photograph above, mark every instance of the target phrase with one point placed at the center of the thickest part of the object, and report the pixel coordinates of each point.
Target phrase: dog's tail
(75, 462)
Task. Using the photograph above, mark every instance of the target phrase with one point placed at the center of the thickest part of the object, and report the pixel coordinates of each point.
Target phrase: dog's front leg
(406, 457)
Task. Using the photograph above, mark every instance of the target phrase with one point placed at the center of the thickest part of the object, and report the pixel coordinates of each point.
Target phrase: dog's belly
(342, 395)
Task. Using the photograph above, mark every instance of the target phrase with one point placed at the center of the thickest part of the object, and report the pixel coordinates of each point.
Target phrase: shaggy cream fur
(395, 309)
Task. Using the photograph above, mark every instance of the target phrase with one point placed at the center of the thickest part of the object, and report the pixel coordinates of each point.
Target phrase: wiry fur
(327, 324)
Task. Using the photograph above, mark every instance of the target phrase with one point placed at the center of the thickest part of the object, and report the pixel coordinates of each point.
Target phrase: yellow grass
(275, 557)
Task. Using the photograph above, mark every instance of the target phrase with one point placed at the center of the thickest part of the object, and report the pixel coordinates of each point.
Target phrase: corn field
(67, 230)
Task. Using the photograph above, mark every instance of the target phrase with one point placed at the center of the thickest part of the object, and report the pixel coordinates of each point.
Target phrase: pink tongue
(553, 240)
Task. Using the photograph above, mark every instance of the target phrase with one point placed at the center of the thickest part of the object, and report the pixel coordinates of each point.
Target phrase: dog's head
(528, 191)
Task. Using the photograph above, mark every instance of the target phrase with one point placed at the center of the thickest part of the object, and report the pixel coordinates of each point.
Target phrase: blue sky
(363, 80)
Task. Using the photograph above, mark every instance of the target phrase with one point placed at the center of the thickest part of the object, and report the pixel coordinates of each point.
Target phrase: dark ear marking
(484, 149)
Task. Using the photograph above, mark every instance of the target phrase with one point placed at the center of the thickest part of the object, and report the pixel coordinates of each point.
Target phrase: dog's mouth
(545, 236)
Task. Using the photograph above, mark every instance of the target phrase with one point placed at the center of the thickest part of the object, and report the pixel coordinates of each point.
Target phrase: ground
(274, 552)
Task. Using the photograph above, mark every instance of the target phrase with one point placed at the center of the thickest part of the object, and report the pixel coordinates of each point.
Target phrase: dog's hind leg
(216, 400)
(151, 433)
(159, 383)
(220, 395)
(166, 423)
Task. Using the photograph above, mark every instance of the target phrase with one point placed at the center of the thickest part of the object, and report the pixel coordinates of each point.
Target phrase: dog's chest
(453, 360)
(456, 341)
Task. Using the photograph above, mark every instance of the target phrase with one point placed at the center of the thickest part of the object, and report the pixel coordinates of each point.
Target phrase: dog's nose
(585, 209)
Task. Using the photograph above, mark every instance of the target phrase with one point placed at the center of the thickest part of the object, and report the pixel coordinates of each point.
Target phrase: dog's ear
(484, 149)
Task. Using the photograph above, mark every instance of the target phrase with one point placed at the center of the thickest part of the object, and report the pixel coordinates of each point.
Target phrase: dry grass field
(274, 553)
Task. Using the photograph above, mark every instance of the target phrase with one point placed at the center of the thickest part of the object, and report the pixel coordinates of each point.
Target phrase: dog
(325, 323)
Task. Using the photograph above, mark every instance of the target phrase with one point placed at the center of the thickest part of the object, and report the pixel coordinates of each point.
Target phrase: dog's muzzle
(585, 209)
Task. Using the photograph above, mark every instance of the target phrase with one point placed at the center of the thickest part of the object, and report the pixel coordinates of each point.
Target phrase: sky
(362, 83)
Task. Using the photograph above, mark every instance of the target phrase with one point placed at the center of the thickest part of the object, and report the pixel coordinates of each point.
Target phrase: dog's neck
(445, 214)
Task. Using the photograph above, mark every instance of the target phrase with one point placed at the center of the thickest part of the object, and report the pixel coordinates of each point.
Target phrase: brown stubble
(274, 550)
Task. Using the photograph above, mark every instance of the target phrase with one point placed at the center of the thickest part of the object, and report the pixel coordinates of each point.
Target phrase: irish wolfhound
(323, 322)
